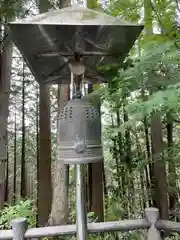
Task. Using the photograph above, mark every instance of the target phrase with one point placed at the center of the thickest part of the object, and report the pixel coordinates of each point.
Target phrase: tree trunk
(97, 190)
(95, 184)
(7, 180)
(117, 156)
(105, 189)
(59, 210)
(157, 169)
(44, 165)
(89, 187)
(96, 170)
(159, 166)
(44, 192)
(149, 168)
(89, 174)
(122, 170)
(37, 144)
(173, 198)
(128, 160)
(23, 163)
(141, 174)
(15, 157)
(5, 78)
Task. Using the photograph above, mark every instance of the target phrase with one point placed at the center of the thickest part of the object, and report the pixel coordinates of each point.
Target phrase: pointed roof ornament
(50, 41)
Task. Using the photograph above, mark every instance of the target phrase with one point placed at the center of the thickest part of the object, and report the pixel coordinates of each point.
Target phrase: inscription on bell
(79, 145)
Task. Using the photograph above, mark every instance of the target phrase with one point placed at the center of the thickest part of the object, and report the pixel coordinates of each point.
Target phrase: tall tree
(59, 210)
(15, 155)
(44, 165)
(159, 169)
(95, 170)
(173, 197)
(23, 163)
(5, 78)
(95, 183)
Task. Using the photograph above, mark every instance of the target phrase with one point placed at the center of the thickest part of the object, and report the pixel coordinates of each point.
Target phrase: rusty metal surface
(66, 31)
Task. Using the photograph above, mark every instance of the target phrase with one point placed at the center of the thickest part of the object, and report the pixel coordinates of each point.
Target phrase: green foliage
(11, 9)
(22, 209)
(156, 73)
(128, 10)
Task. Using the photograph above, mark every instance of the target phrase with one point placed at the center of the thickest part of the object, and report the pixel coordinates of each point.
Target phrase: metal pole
(81, 216)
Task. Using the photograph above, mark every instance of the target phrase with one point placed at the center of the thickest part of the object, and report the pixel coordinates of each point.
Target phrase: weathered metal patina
(49, 40)
(80, 131)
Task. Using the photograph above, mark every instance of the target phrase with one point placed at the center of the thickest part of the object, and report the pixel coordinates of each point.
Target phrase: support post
(19, 227)
(81, 216)
(152, 215)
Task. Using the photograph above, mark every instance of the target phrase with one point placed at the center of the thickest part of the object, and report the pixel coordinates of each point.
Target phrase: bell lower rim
(82, 160)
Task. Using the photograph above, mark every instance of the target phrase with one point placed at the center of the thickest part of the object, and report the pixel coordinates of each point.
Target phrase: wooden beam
(67, 54)
(92, 78)
(94, 44)
(57, 79)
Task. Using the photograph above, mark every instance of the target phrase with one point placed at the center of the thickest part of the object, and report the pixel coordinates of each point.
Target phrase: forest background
(140, 125)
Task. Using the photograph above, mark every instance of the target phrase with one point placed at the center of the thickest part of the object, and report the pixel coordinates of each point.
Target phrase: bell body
(80, 133)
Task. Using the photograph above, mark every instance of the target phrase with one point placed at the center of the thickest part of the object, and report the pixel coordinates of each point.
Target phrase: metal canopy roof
(48, 42)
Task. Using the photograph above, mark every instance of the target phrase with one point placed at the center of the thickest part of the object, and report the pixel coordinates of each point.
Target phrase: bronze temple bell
(74, 41)
(80, 132)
